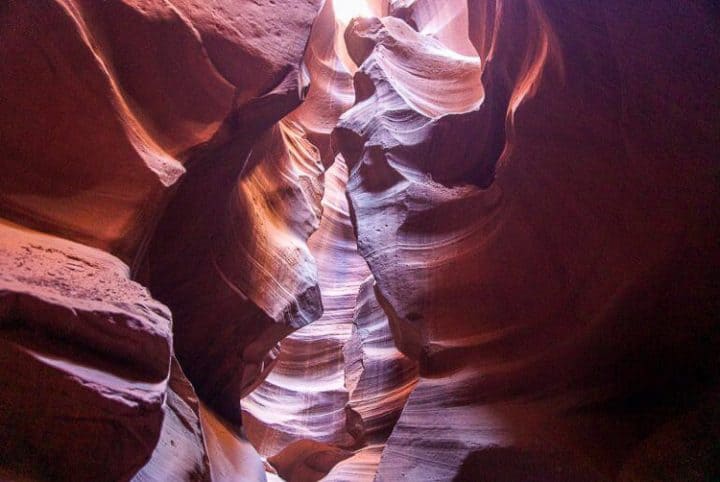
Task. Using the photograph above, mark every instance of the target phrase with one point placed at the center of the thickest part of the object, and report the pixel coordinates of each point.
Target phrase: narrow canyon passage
(305, 396)
(338, 384)
(359, 240)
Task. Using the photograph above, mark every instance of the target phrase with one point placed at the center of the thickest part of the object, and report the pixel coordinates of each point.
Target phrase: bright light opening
(346, 10)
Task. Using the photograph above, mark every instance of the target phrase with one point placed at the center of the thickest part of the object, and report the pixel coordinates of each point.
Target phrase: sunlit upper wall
(346, 10)
(446, 20)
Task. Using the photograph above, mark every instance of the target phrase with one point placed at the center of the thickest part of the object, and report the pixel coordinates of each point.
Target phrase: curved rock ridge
(231, 455)
(98, 117)
(84, 364)
(251, 279)
(273, 211)
(378, 377)
(446, 21)
(180, 453)
(390, 81)
(518, 47)
(410, 62)
(563, 310)
(304, 396)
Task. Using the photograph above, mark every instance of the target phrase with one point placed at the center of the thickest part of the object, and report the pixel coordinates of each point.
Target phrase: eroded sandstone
(85, 361)
(536, 357)
(520, 285)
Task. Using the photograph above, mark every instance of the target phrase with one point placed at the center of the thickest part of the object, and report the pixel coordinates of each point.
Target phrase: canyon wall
(559, 293)
(115, 117)
(447, 240)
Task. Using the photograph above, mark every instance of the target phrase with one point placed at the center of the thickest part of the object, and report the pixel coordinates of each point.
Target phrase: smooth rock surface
(180, 454)
(238, 277)
(561, 304)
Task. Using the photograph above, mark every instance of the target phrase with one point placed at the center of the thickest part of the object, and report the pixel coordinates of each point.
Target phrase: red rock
(180, 453)
(523, 285)
(110, 97)
(562, 310)
(231, 307)
(90, 140)
(84, 364)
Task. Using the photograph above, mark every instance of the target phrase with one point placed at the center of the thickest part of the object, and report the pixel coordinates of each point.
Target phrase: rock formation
(305, 394)
(85, 362)
(359, 240)
(111, 115)
(551, 297)
(180, 453)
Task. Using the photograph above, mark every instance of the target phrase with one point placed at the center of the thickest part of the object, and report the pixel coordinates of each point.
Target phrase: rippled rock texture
(557, 292)
(446, 240)
(305, 395)
(339, 383)
(150, 130)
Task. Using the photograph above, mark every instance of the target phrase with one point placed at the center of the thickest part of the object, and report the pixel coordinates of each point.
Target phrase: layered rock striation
(457, 240)
(560, 300)
(116, 118)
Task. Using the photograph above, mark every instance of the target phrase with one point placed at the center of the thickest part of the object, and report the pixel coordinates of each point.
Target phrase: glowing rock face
(338, 384)
(304, 397)
(346, 10)
(481, 246)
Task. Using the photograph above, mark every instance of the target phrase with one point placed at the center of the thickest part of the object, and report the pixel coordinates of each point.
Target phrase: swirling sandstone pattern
(337, 384)
(449, 240)
(566, 313)
(379, 380)
(304, 397)
(239, 277)
(104, 107)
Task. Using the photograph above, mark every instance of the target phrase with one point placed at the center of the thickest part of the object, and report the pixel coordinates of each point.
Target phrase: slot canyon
(359, 240)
